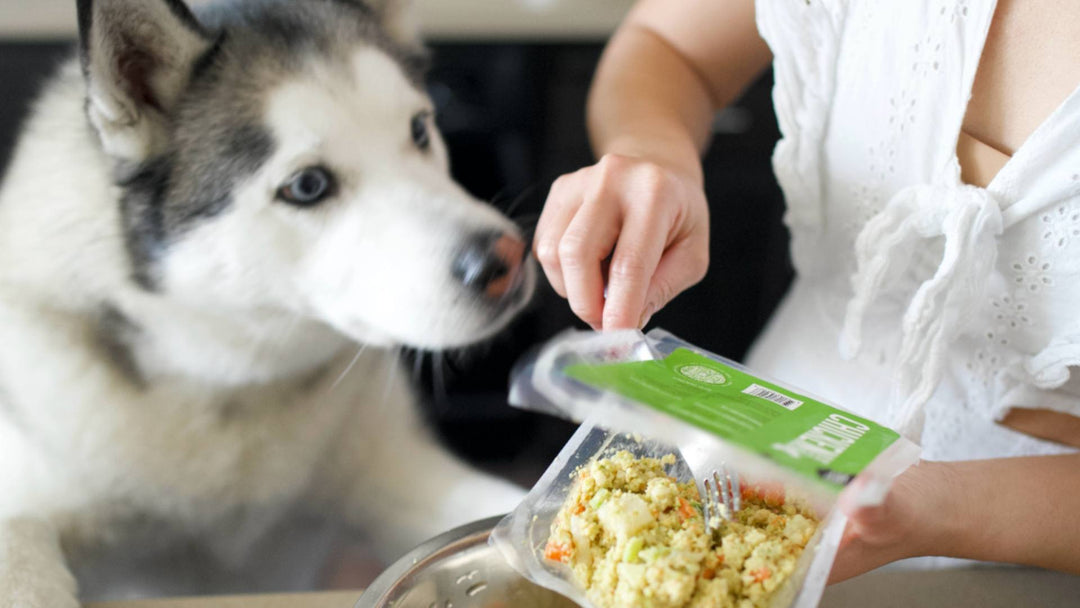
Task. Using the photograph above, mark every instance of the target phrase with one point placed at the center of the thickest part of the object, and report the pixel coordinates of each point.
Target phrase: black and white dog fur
(205, 216)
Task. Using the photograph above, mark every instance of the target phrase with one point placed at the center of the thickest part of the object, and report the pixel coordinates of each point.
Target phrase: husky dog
(204, 219)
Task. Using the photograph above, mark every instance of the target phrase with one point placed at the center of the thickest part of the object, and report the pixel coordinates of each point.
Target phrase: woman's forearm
(659, 109)
(663, 76)
(1020, 510)
(1014, 510)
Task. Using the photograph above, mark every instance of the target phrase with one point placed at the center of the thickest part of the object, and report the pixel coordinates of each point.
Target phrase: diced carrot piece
(708, 573)
(774, 497)
(558, 552)
(771, 494)
(761, 575)
(685, 509)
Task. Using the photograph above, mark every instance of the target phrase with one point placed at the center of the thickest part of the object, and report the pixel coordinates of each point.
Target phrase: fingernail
(647, 316)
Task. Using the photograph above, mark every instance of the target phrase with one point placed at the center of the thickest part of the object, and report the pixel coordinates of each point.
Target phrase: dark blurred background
(513, 116)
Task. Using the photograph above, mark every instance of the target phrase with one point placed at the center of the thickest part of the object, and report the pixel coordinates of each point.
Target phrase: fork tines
(723, 497)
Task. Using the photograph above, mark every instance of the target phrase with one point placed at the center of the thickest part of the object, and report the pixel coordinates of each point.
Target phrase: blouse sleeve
(1048, 380)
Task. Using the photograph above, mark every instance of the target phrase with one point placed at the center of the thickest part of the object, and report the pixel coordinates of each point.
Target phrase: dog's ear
(137, 56)
(399, 19)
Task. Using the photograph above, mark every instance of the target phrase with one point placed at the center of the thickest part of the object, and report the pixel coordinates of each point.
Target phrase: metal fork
(722, 498)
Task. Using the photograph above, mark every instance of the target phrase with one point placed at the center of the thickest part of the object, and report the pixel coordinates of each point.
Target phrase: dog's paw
(37, 597)
(32, 569)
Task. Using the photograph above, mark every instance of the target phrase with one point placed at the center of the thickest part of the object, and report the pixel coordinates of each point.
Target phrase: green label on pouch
(805, 435)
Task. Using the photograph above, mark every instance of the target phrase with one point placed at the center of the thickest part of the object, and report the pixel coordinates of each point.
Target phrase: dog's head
(281, 155)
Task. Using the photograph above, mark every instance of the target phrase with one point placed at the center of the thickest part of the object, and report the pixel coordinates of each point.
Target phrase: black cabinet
(514, 119)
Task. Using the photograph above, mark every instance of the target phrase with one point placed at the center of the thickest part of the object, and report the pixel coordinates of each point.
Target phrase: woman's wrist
(648, 101)
(671, 152)
(917, 518)
(1000, 510)
(995, 510)
(940, 523)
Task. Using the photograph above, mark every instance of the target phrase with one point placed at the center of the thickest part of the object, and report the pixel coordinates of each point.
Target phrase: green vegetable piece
(633, 547)
(651, 554)
(599, 498)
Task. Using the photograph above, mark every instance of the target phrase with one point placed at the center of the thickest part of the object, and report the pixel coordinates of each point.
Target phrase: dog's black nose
(489, 262)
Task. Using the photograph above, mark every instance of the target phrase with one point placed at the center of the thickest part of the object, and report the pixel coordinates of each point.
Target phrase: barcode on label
(771, 395)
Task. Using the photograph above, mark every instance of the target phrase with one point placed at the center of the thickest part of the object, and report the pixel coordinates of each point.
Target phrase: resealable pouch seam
(558, 379)
(541, 383)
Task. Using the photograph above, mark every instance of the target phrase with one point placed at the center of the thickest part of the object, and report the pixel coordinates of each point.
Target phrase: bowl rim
(431, 550)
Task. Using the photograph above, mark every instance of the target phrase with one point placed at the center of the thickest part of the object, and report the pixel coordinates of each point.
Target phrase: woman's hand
(637, 220)
(915, 519)
(629, 225)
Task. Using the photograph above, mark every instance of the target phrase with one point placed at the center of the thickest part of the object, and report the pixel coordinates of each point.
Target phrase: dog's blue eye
(419, 130)
(308, 187)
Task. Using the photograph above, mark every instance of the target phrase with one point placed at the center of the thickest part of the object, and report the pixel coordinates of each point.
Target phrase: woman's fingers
(682, 266)
(588, 240)
(562, 203)
(629, 225)
(637, 253)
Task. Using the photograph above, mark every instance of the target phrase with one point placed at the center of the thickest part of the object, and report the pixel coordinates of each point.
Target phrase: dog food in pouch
(652, 400)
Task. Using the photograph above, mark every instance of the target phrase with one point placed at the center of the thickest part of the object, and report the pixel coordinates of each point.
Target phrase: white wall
(447, 19)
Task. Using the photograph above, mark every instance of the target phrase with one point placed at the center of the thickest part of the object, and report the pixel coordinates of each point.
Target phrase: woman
(931, 166)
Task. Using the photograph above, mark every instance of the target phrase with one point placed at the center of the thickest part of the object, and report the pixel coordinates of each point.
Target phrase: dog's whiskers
(437, 378)
(418, 365)
(523, 196)
(498, 198)
(285, 337)
(393, 359)
(527, 222)
(526, 219)
(349, 367)
(454, 359)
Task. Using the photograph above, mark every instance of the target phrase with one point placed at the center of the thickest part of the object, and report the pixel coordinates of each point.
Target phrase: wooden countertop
(328, 599)
(985, 587)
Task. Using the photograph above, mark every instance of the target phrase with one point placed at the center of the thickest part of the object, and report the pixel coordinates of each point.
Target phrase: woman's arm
(1017, 510)
(667, 69)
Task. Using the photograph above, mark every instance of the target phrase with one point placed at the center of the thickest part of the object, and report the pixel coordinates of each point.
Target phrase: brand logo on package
(705, 375)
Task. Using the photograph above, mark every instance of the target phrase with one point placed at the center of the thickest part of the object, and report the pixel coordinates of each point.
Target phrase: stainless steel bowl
(457, 569)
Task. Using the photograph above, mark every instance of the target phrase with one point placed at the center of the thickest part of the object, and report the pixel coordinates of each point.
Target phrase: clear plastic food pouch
(654, 395)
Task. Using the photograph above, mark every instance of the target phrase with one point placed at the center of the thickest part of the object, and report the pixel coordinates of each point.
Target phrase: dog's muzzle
(490, 265)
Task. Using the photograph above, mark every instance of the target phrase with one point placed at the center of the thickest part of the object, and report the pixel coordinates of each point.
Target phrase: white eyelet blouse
(920, 301)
